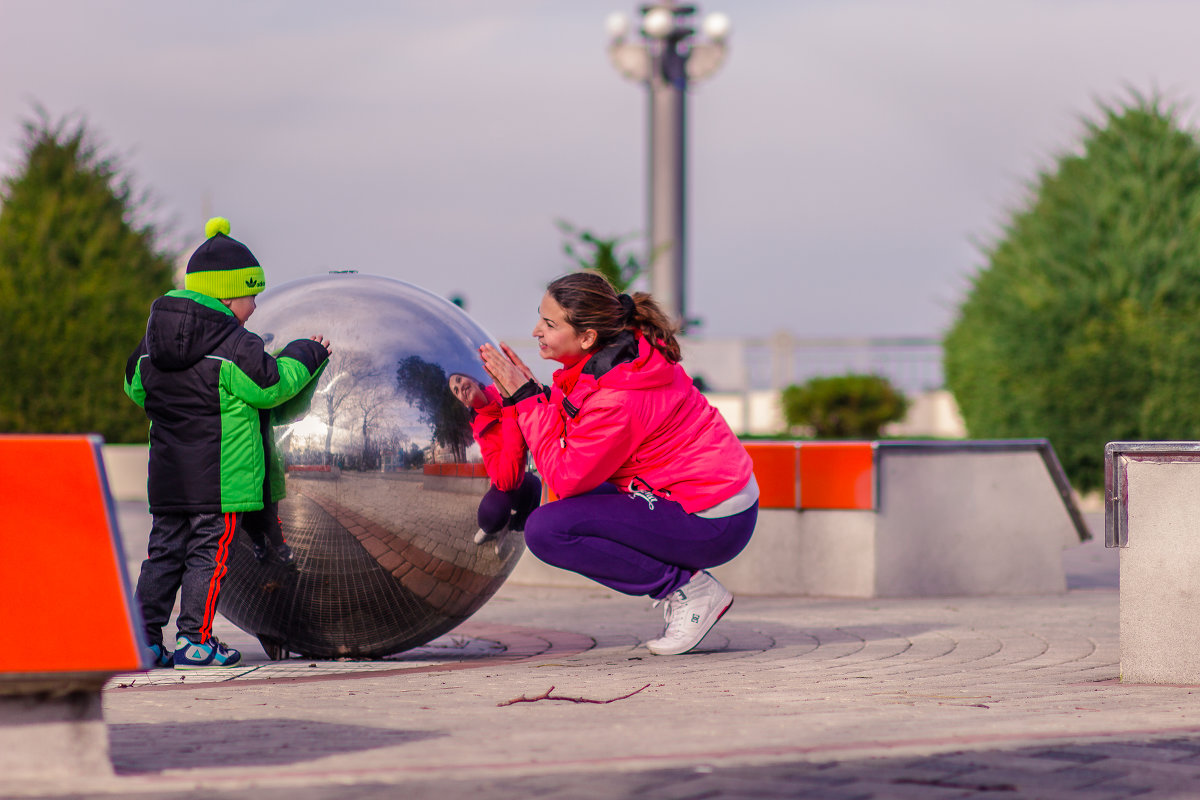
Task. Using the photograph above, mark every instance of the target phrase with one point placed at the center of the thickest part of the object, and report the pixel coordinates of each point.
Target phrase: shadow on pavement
(138, 748)
(1108, 768)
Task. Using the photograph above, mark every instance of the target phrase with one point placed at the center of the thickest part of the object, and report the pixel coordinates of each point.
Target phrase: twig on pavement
(546, 696)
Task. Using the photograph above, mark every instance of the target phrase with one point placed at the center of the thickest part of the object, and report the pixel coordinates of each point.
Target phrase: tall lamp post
(666, 55)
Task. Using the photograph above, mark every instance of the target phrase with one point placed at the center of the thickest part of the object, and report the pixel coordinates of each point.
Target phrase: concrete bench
(1152, 513)
(69, 620)
(898, 519)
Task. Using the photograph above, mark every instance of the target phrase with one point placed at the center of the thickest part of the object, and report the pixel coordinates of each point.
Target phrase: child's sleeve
(263, 381)
(133, 376)
(296, 407)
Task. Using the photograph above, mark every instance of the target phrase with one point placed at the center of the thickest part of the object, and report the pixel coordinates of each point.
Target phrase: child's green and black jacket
(202, 378)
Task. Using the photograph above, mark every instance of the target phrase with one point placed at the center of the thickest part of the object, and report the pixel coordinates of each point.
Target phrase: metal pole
(668, 58)
(667, 90)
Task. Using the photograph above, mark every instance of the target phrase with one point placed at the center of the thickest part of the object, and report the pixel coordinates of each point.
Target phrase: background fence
(743, 377)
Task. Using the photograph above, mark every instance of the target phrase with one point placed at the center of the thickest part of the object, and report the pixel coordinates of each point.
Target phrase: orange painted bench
(62, 583)
(796, 475)
(62, 563)
(457, 470)
(811, 475)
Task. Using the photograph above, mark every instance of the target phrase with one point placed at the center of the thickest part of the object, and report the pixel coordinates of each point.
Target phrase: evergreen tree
(1084, 325)
(424, 385)
(78, 272)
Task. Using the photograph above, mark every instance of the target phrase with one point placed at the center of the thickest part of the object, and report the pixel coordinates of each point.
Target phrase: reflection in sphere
(383, 478)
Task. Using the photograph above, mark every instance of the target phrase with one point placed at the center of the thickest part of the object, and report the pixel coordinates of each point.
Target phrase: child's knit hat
(223, 267)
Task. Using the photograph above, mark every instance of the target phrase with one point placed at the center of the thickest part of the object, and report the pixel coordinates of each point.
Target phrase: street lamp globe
(617, 25)
(658, 22)
(716, 26)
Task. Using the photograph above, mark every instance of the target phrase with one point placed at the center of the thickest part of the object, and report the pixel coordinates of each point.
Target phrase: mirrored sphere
(383, 478)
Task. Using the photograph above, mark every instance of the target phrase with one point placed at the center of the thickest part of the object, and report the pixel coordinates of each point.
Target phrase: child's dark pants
(188, 555)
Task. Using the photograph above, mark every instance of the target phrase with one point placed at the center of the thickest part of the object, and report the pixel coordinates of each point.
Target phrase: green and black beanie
(223, 267)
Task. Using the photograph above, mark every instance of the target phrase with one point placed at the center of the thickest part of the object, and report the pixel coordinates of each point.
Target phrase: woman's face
(468, 391)
(556, 339)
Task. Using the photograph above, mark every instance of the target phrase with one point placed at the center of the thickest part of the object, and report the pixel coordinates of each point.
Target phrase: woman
(653, 486)
(513, 493)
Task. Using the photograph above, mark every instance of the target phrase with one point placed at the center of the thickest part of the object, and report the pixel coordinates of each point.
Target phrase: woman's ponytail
(650, 319)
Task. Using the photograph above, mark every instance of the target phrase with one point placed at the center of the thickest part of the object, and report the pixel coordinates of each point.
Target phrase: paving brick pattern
(788, 697)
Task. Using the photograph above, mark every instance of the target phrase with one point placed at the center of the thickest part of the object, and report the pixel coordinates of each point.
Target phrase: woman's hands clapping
(507, 369)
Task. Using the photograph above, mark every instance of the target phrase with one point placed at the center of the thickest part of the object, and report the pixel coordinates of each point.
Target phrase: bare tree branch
(546, 696)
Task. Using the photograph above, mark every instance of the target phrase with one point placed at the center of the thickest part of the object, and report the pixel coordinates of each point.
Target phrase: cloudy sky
(845, 163)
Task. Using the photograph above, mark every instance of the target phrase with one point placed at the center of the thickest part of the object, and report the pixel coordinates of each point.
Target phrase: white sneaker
(482, 536)
(691, 611)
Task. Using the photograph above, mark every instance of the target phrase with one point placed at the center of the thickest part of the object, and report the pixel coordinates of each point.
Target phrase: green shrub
(1084, 325)
(845, 406)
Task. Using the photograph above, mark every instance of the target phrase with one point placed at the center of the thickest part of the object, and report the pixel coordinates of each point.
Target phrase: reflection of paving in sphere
(380, 523)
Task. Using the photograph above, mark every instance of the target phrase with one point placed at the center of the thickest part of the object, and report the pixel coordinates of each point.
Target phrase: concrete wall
(72, 572)
(792, 553)
(1153, 503)
(967, 522)
(930, 414)
(947, 523)
(817, 553)
(125, 467)
(53, 734)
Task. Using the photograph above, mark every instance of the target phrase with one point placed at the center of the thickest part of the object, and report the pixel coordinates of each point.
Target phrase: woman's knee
(542, 532)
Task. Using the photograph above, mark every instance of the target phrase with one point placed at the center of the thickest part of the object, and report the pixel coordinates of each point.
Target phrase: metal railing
(912, 363)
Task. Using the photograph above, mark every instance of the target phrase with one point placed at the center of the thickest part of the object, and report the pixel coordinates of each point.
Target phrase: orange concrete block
(775, 469)
(62, 567)
(837, 475)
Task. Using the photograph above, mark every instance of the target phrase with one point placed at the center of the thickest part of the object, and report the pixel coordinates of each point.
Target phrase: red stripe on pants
(214, 585)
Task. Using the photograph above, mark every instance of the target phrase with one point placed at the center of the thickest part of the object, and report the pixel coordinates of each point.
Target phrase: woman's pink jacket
(641, 425)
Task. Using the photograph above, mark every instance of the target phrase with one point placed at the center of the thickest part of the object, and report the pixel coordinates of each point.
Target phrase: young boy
(202, 379)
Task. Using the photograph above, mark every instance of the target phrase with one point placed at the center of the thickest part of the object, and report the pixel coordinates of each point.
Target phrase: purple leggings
(499, 509)
(638, 544)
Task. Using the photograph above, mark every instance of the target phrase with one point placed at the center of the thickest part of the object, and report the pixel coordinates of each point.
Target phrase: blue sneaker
(160, 657)
(207, 655)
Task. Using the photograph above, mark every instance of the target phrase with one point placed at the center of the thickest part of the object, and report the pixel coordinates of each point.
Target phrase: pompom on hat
(223, 267)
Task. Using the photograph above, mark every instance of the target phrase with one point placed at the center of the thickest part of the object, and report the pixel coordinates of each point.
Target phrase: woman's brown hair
(590, 301)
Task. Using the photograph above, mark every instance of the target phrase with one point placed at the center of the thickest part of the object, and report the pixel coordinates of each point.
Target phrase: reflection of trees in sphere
(383, 478)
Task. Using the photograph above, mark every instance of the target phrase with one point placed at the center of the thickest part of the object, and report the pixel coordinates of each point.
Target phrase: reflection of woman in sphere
(655, 487)
(513, 493)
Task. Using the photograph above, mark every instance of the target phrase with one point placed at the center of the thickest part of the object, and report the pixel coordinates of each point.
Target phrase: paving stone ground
(548, 693)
